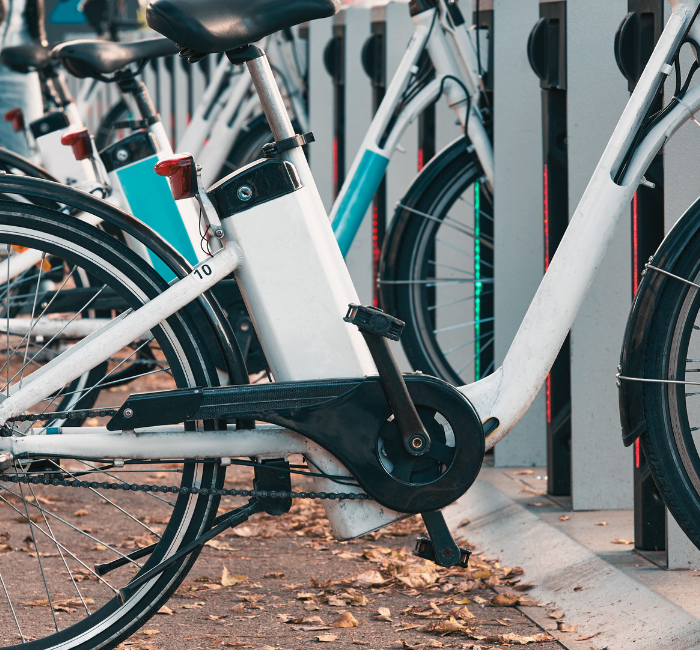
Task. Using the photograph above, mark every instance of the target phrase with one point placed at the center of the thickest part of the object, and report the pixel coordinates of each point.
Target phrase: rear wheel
(671, 442)
(50, 595)
(436, 270)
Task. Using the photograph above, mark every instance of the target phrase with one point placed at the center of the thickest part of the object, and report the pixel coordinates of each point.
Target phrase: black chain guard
(352, 420)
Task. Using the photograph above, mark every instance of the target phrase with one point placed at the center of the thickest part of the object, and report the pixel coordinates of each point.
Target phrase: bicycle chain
(65, 415)
(136, 487)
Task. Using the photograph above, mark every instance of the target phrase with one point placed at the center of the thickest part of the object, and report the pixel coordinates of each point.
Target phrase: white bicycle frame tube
(121, 331)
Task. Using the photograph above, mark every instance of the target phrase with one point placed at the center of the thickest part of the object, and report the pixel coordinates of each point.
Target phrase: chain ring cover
(352, 420)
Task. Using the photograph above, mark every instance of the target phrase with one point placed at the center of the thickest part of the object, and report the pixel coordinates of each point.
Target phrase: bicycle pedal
(373, 320)
(425, 549)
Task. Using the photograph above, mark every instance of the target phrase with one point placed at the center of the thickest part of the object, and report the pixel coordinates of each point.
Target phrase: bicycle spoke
(38, 556)
(462, 252)
(452, 223)
(473, 207)
(463, 345)
(41, 530)
(461, 325)
(434, 282)
(448, 266)
(474, 358)
(60, 552)
(31, 322)
(102, 496)
(121, 480)
(75, 528)
(12, 609)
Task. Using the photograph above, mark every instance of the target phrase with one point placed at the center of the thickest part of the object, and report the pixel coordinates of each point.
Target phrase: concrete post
(601, 471)
(519, 255)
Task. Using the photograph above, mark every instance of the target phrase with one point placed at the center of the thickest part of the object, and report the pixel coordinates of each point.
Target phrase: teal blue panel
(151, 201)
(66, 12)
(358, 198)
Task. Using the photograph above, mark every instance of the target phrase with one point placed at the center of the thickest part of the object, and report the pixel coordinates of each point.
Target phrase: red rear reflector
(79, 140)
(181, 173)
(17, 118)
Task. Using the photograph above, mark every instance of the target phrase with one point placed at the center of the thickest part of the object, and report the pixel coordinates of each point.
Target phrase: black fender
(48, 190)
(634, 344)
(394, 235)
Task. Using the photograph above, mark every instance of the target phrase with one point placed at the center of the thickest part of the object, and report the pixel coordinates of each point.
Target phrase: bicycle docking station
(546, 51)
(634, 43)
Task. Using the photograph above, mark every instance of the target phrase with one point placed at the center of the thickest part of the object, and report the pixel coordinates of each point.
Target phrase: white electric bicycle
(380, 445)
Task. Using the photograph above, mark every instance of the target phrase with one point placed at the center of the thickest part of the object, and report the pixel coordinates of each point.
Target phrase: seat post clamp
(274, 148)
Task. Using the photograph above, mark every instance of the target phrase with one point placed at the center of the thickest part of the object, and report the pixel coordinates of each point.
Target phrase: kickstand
(440, 548)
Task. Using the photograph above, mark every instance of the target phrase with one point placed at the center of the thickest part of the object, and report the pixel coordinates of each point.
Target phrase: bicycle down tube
(505, 396)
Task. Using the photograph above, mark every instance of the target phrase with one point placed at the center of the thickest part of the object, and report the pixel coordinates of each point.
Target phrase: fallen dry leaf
(368, 579)
(529, 490)
(346, 619)
(81, 513)
(219, 546)
(537, 504)
(231, 579)
(462, 612)
(448, 626)
(601, 523)
(619, 540)
(523, 472)
(383, 614)
(150, 632)
(504, 600)
(513, 638)
(556, 614)
(326, 638)
(166, 611)
(588, 636)
(274, 575)
(564, 518)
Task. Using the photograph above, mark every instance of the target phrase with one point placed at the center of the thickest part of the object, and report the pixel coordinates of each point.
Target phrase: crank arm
(234, 518)
(441, 547)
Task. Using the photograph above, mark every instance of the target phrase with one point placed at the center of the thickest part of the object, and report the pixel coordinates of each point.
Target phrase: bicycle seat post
(266, 87)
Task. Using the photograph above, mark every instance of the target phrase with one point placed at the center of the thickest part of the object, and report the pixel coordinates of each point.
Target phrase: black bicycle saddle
(210, 26)
(93, 58)
(26, 58)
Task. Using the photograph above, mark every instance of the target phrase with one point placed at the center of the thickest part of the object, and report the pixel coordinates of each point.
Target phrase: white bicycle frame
(501, 399)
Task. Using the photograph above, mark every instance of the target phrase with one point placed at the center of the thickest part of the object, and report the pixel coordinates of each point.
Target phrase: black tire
(434, 343)
(671, 410)
(117, 267)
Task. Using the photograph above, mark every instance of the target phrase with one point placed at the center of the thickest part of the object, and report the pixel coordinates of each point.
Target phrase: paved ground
(282, 582)
(300, 587)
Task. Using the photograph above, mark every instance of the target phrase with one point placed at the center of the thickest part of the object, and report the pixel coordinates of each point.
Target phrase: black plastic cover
(131, 149)
(49, 123)
(259, 182)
